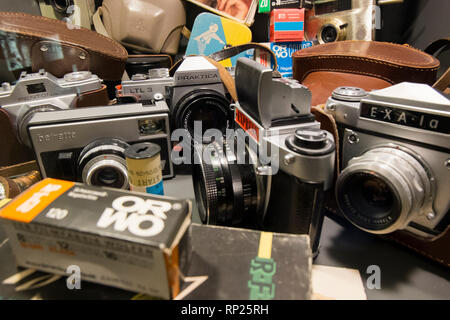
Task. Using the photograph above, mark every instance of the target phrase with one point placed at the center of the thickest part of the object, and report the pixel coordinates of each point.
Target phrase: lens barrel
(382, 190)
(102, 163)
(226, 192)
(207, 106)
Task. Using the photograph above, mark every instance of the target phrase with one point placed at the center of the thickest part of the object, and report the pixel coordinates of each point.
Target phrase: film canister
(144, 168)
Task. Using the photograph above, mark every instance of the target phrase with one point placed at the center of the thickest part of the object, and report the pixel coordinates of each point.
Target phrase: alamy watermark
(235, 143)
(374, 280)
(74, 279)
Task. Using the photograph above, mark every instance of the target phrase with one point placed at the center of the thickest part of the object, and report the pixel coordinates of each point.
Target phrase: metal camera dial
(310, 141)
(352, 94)
(77, 76)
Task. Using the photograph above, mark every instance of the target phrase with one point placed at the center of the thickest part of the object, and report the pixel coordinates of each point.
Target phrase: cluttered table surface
(402, 273)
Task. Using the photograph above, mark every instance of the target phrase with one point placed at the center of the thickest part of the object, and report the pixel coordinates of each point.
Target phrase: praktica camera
(39, 92)
(87, 145)
(272, 172)
(194, 93)
(395, 158)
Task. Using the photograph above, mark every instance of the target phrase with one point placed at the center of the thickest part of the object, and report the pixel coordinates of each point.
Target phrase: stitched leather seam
(42, 38)
(376, 58)
(386, 44)
(349, 71)
(433, 257)
(65, 38)
(368, 60)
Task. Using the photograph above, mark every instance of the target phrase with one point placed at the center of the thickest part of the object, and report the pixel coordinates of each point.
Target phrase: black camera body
(273, 171)
(194, 93)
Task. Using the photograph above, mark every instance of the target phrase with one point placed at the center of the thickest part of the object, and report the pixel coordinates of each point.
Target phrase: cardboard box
(266, 6)
(283, 51)
(231, 263)
(287, 25)
(123, 239)
(211, 33)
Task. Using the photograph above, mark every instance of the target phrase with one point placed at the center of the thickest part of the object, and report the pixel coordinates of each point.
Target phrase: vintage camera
(87, 145)
(76, 12)
(338, 20)
(273, 174)
(395, 158)
(194, 93)
(39, 92)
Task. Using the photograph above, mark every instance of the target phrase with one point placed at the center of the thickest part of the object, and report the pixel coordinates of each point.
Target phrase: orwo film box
(283, 52)
(123, 239)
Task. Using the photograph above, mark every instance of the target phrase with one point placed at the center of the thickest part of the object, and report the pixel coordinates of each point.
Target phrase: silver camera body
(41, 91)
(395, 158)
(278, 109)
(194, 93)
(274, 171)
(332, 23)
(87, 145)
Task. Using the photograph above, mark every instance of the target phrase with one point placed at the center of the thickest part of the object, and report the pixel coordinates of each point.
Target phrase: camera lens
(329, 33)
(62, 5)
(102, 163)
(382, 190)
(227, 193)
(207, 106)
(107, 176)
(370, 200)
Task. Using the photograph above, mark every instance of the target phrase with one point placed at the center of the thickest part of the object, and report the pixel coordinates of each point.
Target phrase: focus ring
(211, 193)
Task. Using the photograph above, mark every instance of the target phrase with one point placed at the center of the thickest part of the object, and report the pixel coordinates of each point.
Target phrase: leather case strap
(18, 169)
(12, 151)
(93, 98)
(235, 50)
(436, 48)
(437, 45)
(58, 49)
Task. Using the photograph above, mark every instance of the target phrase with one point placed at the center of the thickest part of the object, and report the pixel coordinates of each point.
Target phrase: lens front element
(102, 163)
(383, 190)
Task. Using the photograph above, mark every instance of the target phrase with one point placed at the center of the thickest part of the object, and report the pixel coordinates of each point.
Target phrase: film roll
(144, 168)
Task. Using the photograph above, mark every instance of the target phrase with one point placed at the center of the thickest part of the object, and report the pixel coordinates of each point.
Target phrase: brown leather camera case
(59, 48)
(366, 64)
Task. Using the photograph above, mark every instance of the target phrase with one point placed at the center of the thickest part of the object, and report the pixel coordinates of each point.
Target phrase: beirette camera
(39, 92)
(395, 158)
(194, 93)
(87, 145)
(272, 172)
